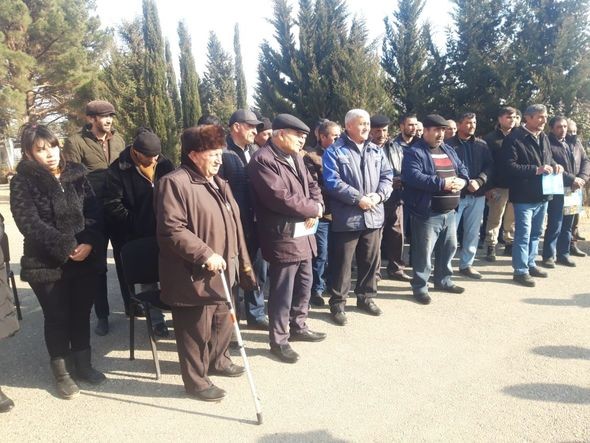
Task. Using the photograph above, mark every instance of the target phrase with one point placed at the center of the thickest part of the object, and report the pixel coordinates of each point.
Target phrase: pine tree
(218, 90)
(189, 80)
(241, 90)
(405, 56)
(50, 52)
(159, 107)
(173, 85)
(332, 69)
(122, 80)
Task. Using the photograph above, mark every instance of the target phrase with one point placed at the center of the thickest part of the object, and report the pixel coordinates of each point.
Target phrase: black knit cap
(147, 143)
(380, 121)
(266, 124)
(435, 121)
(288, 121)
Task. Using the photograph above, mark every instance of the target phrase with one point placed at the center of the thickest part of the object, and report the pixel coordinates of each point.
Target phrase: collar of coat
(197, 178)
(45, 179)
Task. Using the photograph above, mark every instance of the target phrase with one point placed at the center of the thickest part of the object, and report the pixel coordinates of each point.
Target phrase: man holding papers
(556, 245)
(527, 157)
(288, 204)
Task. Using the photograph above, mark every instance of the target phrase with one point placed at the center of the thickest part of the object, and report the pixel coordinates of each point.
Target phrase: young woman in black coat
(55, 209)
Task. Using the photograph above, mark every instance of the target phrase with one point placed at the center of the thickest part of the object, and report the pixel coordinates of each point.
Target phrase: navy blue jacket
(575, 162)
(420, 179)
(349, 174)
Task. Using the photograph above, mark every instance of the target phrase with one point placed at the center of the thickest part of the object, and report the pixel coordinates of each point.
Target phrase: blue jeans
(471, 209)
(528, 219)
(437, 233)
(558, 232)
(254, 300)
(319, 264)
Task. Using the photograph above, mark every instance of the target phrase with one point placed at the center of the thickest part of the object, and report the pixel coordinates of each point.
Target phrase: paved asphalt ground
(497, 363)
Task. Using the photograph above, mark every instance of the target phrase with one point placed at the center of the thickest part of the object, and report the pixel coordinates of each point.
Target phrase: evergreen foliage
(218, 89)
(173, 85)
(241, 90)
(189, 80)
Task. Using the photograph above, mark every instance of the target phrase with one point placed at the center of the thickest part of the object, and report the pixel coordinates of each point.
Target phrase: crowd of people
(251, 201)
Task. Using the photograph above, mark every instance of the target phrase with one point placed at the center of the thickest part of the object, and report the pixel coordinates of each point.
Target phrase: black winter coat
(575, 164)
(129, 198)
(494, 140)
(54, 216)
(478, 162)
(521, 156)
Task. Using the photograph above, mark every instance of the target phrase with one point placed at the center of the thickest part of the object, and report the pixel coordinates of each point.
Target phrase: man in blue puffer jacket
(357, 180)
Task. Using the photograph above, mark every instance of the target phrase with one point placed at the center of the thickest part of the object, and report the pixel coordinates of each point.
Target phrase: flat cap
(435, 121)
(244, 116)
(266, 124)
(100, 107)
(288, 121)
(380, 121)
(147, 143)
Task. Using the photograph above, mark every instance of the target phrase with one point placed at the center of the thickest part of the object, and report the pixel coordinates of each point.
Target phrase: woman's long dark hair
(31, 134)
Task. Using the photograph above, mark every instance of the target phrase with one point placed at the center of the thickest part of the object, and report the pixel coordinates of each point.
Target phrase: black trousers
(364, 245)
(393, 237)
(66, 306)
(202, 334)
(288, 299)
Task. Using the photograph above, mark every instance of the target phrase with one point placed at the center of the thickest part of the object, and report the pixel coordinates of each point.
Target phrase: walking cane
(234, 320)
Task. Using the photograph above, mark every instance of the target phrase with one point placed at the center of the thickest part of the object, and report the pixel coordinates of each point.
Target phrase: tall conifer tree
(241, 90)
(189, 80)
(173, 86)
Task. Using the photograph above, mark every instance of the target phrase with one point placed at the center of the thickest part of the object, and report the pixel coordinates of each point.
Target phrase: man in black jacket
(475, 155)
(129, 203)
(497, 194)
(576, 169)
(243, 125)
(572, 137)
(526, 156)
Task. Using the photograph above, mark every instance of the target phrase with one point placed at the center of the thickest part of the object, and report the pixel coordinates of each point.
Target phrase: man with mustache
(433, 177)
(96, 146)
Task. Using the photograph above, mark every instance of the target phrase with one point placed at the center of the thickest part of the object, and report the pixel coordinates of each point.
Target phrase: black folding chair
(139, 259)
(10, 275)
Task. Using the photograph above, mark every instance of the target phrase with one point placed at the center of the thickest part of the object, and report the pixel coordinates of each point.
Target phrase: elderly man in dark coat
(286, 200)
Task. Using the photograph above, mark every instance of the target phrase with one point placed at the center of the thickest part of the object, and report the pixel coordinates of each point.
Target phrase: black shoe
(66, 387)
(138, 311)
(261, 324)
(161, 331)
(470, 272)
(508, 251)
(399, 276)
(369, 307)
(102, 327)
(317, 300)
(231, 371)
(577, 252)
(284, 352)
(423, 299)
(212, 393)
(566, 261)
(491, 254)
(307, 335)
(524, 280)
(84, 370)
(6, 404)
(536, 272)
(339, 317)
(454, 289)
(548, 263)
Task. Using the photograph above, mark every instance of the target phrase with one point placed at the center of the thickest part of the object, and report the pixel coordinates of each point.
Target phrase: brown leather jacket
(194, 220)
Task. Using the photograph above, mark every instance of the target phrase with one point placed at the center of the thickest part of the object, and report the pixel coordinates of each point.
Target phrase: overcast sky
(221, 16)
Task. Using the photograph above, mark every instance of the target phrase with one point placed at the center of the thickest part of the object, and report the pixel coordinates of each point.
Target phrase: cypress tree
(404, 57)
(189, 80)
(241, 90)
(173, 85)
(218, 90)
(158, 104)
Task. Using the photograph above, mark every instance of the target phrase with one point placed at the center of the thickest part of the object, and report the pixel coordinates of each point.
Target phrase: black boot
(66, 387)
(6, 404)
(84, 369)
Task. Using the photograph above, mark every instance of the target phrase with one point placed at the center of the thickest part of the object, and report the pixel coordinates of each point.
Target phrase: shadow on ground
(550, 392)
(580, 300)
(315, 436)
(563, 352)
